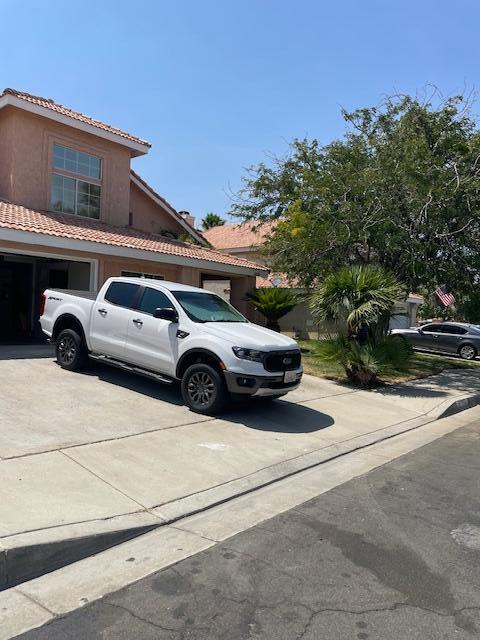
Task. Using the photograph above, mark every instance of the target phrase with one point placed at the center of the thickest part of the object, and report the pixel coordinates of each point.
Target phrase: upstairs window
(76, 162)
(72, 194)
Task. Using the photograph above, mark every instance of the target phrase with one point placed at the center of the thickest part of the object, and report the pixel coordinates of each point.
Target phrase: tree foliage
(401, 189)
(272, 303)
(212, 220)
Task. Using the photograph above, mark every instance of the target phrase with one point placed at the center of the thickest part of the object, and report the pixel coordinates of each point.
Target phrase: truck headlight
(248, 354)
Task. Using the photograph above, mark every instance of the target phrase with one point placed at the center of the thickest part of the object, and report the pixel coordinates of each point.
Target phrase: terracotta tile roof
(13, 216)
(265, 282)
(166, 203)
(234, 236)
(48, 103)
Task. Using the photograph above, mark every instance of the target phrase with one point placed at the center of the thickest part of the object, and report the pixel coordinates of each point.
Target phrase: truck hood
(248, 335)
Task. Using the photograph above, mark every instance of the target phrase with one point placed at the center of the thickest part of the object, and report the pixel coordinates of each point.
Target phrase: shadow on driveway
(26, 351)
(255, 413)
(133, 382)
(277, 416)
(461, 381)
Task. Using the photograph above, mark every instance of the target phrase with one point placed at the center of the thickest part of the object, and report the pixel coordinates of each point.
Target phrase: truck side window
(123, 294)
(153, 299)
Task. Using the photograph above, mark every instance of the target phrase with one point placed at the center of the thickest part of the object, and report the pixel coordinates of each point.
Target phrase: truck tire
(70, 350)
(204, 389)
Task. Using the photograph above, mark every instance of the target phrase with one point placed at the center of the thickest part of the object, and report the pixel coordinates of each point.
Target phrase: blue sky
(216, 85)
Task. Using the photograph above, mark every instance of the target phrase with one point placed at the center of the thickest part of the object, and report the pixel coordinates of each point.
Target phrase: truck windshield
(207, 307)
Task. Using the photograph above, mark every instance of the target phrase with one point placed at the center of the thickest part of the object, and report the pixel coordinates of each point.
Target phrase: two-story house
(73, 213)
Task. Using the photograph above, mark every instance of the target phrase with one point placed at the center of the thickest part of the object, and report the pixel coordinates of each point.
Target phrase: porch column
(238, 290)
(189, 275)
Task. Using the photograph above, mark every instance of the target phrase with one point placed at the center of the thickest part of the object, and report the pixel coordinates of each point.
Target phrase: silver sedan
(445, 337)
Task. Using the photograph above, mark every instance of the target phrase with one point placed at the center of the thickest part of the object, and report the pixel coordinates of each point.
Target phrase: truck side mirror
(164, 313)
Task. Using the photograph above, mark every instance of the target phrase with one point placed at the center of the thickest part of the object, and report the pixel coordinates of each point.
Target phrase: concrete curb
(27, 556)
(450, 408)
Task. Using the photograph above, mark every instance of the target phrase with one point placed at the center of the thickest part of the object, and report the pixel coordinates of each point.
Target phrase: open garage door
(23, 278)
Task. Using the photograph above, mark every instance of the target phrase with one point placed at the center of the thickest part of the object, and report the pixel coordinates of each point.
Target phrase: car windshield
(207, 307)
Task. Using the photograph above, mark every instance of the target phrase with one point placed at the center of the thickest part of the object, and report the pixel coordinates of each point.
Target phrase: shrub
(272, 303)
(355, 296)
(365, 363)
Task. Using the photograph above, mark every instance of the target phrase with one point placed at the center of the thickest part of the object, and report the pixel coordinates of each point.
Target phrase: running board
(131, 368)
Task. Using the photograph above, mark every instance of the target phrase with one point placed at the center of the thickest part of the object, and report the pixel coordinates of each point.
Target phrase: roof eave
(178, 218)
(89, 246)
(136, 148)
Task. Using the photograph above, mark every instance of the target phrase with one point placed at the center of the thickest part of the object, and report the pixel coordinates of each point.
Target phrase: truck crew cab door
(110, 316)
(152, 343)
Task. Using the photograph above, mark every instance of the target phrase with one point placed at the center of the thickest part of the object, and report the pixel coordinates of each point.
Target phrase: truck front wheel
(70, 350)
(203, 389)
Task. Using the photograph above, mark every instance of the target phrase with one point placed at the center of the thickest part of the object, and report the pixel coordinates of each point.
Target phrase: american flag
(446, 298)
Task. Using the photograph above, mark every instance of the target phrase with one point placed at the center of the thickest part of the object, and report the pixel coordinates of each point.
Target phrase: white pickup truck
(169, 331)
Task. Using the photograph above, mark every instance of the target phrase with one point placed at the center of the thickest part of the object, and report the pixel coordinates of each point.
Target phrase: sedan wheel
(467, 352)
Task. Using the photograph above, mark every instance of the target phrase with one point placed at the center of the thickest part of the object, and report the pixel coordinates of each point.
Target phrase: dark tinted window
(153, 299)
(452, 329)
(122, 293)
(432, 328)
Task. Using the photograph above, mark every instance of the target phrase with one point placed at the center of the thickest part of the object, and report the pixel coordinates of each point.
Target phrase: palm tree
(272, 303)
(356, 296)
(212, 220)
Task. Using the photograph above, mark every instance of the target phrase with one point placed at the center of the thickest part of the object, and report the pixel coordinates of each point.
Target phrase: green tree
(355, 296)
(401, 189)
(212, 220)
(272, 303)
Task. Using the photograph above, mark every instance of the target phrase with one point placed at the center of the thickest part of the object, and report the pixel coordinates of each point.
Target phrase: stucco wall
(6, 149)
(149, 216)
(27, 155)
(110, 267)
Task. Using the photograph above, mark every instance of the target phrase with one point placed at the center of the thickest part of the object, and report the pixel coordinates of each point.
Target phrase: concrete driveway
(86, 447)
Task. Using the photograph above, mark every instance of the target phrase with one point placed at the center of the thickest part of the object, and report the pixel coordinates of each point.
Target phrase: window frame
(77, 178)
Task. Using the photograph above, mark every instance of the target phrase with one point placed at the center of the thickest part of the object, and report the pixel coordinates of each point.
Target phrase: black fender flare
(192, 355)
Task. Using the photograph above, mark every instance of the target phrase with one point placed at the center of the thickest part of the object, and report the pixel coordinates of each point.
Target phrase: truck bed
(88, 295)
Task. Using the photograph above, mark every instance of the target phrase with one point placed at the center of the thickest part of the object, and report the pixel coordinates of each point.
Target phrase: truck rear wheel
(204, 389)
(70, 350)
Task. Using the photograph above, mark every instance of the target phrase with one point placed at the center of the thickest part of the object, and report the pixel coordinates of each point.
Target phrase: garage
(23, 278)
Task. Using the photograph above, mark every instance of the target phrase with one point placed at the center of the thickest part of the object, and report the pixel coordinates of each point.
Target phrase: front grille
(282, 360)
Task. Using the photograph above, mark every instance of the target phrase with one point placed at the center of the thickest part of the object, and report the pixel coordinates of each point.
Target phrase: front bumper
(248, 385)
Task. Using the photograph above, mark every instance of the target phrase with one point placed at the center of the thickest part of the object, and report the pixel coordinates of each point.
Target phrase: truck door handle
(137, 322)
(102, 312)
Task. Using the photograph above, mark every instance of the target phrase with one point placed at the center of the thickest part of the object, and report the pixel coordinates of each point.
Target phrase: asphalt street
(393, 554)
